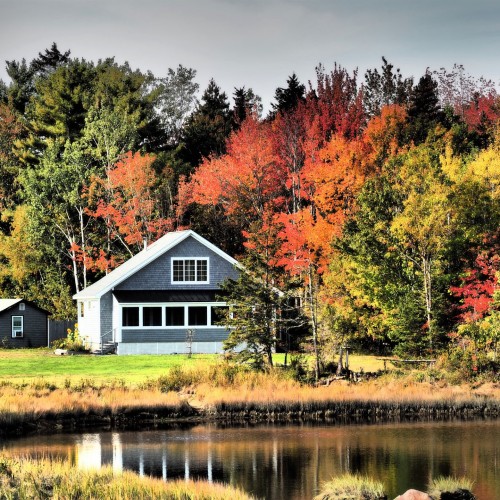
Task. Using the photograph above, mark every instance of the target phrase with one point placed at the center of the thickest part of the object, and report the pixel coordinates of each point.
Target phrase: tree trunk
(426, 269)
(314, 323)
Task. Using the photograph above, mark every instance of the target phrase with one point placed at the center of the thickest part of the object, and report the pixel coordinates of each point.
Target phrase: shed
(23, 324)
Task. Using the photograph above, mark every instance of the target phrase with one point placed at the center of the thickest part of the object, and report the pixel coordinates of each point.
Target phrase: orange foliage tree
(126, 202)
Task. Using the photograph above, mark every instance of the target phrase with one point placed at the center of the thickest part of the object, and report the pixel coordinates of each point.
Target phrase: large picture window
(17, 326)
(197, 316)
(151, 316)
(174, 316)
(130, 316)
(189, 270)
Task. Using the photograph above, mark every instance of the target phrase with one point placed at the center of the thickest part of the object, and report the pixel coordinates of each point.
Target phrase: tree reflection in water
(290, 461)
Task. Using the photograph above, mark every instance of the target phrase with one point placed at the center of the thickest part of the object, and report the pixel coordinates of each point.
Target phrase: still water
(292, 461)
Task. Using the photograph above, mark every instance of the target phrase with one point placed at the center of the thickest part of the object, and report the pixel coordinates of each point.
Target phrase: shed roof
(142, 259)
(8, 303)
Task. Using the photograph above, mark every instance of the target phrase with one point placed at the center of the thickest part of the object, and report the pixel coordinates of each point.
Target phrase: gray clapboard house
(154, 300)
(23, 324)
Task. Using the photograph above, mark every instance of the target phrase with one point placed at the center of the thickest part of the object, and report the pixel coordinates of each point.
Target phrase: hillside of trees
(372, 201)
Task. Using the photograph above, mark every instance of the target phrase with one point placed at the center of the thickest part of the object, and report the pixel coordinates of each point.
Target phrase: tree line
(371, 203)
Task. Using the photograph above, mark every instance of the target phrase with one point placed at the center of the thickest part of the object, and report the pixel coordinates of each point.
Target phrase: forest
(371, 202)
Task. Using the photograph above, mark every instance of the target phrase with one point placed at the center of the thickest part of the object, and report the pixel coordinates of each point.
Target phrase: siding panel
(157, 275)
(34, 327)
(159, 335)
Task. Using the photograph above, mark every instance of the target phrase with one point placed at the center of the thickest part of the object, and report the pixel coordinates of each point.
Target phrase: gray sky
(259, 43)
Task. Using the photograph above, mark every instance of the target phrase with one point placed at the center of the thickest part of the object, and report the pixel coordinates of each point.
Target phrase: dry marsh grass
(352, 486)
(223, 388)
(267, 388)
(27, 479)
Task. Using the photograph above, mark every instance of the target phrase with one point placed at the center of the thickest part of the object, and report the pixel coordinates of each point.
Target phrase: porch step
(107, 348)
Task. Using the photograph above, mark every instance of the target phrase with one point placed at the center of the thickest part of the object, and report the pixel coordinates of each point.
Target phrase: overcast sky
(259, 43)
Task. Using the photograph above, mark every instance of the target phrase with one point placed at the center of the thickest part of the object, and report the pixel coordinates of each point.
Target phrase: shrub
(73, 342)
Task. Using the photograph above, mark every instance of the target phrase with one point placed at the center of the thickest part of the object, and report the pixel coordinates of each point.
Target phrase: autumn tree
(131, 208)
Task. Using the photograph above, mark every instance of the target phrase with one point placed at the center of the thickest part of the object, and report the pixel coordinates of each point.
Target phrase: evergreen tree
(208, 127)
(52, 59)
(424, 111)
(245, 103)
(287, 98)
(384, 88)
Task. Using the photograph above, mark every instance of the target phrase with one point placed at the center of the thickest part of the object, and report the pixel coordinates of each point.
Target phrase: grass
(37, 387)
(352, 486)
(25, 366)
(30, 365)
(27, 479)
(448, 484)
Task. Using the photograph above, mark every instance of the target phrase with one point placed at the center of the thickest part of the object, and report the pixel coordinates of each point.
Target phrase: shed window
(151, 316)
(174, 316)
(17, 326)
(130, 316)
(197, 316)
(190, 270)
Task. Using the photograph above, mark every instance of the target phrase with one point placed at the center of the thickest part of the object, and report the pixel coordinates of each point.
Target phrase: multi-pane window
(189, 270)
(17, 326)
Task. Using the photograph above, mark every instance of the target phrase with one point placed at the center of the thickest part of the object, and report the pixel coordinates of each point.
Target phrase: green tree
(208, 127)
(50, 60)
(424, 111)
(385, 87)
(287, 98)
(177, 100)
(259, 311)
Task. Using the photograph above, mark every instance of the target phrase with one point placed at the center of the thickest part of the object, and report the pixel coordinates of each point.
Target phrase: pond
(290, 461)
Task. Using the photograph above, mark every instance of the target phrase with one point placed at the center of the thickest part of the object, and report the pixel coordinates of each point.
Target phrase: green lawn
(29, 365)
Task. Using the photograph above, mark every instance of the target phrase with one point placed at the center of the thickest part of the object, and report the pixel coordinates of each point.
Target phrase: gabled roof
(142, 259)
(6, 304)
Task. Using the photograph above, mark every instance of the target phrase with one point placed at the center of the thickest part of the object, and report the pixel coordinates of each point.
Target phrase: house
(23, 324)
(160, 299)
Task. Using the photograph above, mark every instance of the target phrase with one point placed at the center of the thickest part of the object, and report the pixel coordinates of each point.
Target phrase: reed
(352, 487)
(26, 479)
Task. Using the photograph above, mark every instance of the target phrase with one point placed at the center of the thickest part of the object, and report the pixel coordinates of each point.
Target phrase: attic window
(189, 270)
(22, 306)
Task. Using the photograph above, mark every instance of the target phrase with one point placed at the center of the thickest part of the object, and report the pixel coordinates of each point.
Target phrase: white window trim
(163, 305)
(22, 327)
(175, 259)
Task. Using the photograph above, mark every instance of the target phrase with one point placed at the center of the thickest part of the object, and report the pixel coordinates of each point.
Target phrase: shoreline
(14, 425)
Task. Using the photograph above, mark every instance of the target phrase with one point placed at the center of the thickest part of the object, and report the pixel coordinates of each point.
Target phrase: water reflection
(279, 462)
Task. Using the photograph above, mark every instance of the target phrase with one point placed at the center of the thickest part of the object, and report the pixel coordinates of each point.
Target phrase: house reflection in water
(145, 457)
